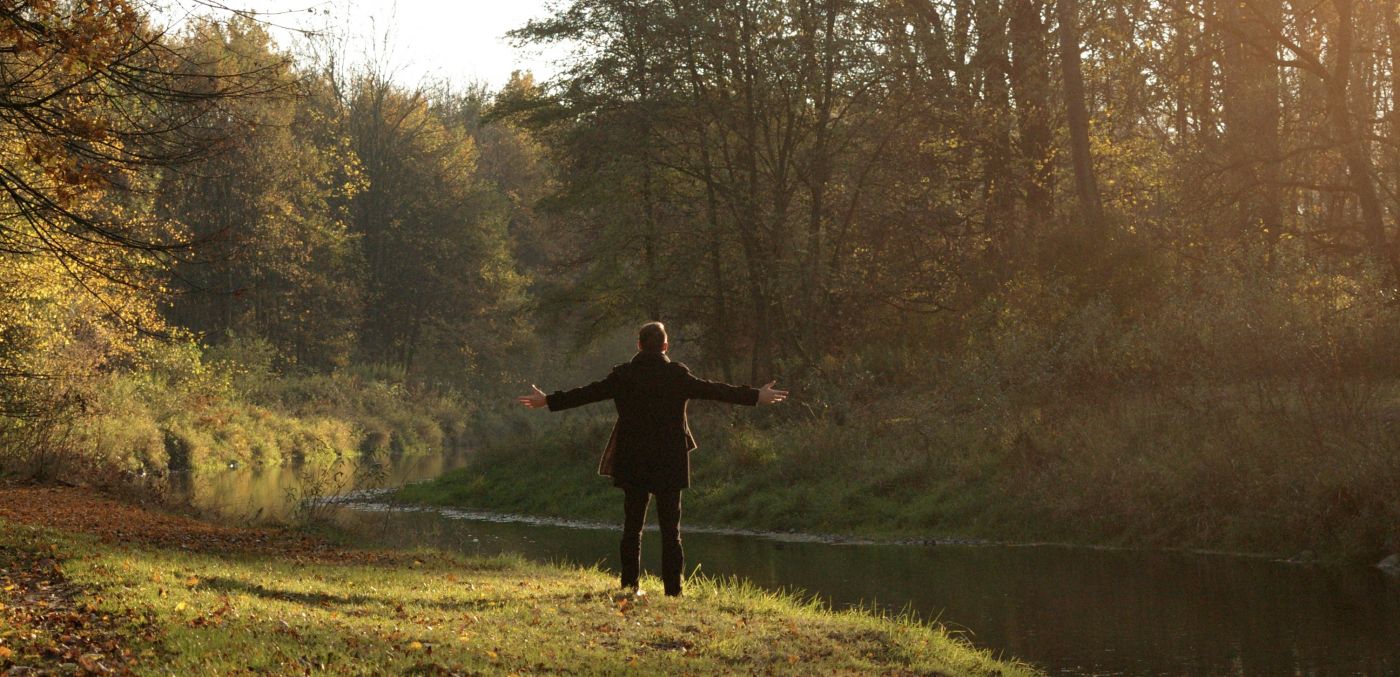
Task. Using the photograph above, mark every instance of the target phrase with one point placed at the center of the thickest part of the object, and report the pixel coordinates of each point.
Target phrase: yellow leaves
(6, 652)
(63, 330)
(180, 607)
(415, 646)
(192, 581)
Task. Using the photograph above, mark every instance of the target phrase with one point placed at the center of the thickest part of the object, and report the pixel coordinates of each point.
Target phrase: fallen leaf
(89, 662)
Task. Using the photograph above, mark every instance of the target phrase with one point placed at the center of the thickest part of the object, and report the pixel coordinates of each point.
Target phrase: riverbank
(1265, 470)
(95, 584)
(204, 410)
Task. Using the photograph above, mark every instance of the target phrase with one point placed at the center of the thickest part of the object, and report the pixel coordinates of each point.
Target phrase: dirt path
(46, 626)
(86, 511)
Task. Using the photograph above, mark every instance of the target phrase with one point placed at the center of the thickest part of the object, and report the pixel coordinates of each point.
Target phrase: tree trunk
(991, 59)
(822, 60)
(1030, 83)
(1392, 29)
(1359, 168)
(1077, 115)
(1252, 113)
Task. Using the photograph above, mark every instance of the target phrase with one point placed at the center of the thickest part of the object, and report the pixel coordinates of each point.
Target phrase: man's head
(651, 338)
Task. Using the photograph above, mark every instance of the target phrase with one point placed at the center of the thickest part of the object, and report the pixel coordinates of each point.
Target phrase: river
(1069, 610)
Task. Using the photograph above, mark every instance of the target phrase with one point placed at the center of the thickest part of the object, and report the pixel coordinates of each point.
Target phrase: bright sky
(462, 40)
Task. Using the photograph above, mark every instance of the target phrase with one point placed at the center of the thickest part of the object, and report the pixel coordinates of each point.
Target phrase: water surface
(1069, 610)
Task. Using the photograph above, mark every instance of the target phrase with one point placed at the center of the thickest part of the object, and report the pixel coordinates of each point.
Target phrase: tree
(439, 275)
(1030, 84)
(1251, 112)
(1077, 114)
(93, 102)
(764, 135)
(91, 95)
(273, 254)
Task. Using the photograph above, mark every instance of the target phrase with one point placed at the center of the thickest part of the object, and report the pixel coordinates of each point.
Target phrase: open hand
(534, 400)
(767, 395)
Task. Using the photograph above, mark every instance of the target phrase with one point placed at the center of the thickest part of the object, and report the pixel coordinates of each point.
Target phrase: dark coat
(652, 436)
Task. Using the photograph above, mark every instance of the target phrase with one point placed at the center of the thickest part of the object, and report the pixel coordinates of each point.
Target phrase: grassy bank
(194, 409)
(1271, 467)
(1235, 410)
(95, 584)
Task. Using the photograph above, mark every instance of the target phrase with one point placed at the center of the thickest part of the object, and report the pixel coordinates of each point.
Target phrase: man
(651, 443)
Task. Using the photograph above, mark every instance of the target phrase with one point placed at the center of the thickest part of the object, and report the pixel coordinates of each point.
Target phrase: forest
(1108, 272)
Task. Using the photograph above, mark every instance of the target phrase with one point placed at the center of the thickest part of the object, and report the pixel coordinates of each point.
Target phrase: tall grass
(228, 407)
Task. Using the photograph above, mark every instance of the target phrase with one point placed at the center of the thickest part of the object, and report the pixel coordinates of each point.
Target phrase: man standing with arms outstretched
(649, 454)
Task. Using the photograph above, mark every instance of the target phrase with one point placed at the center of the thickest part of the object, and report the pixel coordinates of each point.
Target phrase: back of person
(649, 453)
(653, 437)
(650, 401)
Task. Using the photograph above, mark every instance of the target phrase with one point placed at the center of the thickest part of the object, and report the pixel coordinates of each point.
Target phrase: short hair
(652, 337)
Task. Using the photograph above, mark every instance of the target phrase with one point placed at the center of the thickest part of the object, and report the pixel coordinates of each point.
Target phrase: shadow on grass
(234, 586)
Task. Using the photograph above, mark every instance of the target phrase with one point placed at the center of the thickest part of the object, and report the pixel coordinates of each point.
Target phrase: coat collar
(643, 356)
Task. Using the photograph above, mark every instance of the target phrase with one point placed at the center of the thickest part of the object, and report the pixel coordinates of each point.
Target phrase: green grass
(429, 612)
(1274, 467)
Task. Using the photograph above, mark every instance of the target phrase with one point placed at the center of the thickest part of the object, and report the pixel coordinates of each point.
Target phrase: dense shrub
(230, 406)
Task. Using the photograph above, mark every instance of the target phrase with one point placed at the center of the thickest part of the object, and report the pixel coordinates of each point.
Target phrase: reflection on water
(1070, 610)
(273, 493)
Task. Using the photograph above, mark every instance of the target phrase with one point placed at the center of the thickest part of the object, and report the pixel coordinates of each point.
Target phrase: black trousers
(668, 513)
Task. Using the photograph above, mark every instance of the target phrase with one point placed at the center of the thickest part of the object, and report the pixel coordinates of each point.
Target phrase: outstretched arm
(568, 399)
(535, 400)
(767, 395)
